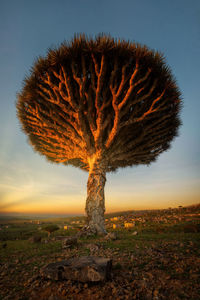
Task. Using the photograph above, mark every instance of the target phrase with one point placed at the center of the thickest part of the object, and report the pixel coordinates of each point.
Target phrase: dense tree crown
(108, 99)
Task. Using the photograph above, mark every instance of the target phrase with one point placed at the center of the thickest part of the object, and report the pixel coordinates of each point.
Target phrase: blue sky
(28, 183)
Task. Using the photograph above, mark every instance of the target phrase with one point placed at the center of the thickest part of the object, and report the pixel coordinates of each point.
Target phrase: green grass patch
(26, 250)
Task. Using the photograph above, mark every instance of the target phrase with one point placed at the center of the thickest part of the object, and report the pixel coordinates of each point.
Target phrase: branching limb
(152, 109)
(99, 116)
(131, 86)
(115, 94)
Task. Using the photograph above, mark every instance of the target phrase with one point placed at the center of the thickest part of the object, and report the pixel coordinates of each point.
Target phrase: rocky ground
(154, 265)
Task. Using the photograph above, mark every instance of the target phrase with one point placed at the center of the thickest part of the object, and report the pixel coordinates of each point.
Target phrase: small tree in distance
(99, 105)
(50, 228)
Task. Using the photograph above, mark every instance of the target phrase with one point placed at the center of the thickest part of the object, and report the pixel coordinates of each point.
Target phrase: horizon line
(35, 214)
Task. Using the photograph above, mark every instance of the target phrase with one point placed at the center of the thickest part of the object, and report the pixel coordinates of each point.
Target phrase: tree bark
(95, 202)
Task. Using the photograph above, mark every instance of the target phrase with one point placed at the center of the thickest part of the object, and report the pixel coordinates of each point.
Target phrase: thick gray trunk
(95, 202)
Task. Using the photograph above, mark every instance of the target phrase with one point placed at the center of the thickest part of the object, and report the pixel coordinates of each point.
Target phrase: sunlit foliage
(104, 98)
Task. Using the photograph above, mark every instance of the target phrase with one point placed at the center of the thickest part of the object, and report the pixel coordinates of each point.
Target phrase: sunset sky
(30, 184)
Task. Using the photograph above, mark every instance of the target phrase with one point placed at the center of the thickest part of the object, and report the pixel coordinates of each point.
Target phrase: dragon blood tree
(99, 105)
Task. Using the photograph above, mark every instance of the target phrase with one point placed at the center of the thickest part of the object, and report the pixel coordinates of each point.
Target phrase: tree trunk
(95, 202)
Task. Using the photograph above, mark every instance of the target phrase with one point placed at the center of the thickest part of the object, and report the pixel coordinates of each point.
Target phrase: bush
(35, 239)
(192, 228)
(50, 228)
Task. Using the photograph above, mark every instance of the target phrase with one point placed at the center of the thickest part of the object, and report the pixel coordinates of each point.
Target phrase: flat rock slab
(84, 269)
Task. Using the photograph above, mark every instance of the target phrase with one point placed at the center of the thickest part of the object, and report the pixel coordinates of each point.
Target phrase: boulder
(60, 237)
(111, 236)
(92, 247)
(83, 269)
(69, 241)
(135, 233)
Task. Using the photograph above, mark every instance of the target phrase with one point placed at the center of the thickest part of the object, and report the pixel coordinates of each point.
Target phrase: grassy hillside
(157, 258)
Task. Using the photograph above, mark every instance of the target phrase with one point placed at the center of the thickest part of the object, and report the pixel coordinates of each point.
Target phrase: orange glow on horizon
(78, 206)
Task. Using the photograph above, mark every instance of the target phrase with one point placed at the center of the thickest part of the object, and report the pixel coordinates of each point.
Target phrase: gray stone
(69, 241)
(92, 247)
(83, 269)
(111, 236)
(60, 237)
(134, 233)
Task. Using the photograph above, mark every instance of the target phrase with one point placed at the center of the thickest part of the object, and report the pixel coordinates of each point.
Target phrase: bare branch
(131, 86)
(99, 117)
(151, 109)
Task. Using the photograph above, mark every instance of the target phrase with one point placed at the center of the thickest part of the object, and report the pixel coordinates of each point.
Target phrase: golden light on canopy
(99, 105)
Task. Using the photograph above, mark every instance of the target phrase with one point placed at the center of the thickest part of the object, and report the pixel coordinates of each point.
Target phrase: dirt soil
(168, 272)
